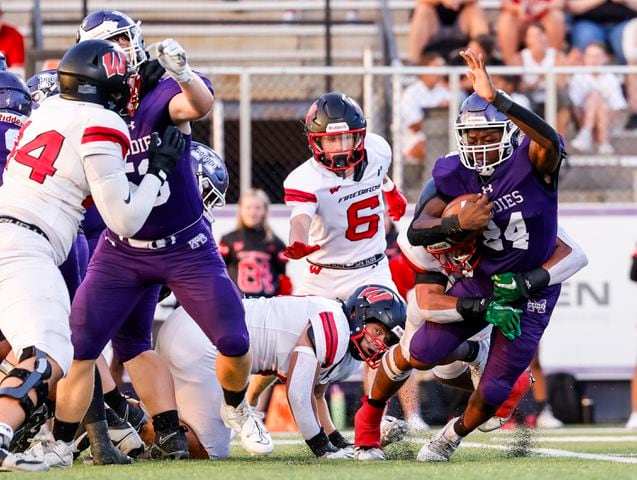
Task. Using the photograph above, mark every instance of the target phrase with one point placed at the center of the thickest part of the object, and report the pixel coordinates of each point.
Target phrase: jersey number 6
(354, 221)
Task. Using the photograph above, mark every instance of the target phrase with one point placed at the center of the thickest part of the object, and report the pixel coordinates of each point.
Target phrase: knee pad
(233, 345)
(451, 370)
(30, 380)
(394, 373)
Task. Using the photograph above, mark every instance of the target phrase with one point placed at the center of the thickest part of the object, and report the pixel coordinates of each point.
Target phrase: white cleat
(392, 430)
(547, 420)
(631, 424)
(493, 424)
(18, 462)
(255, 438)
(416, 425)
(369, 454)
(57, 454)
(441, 446)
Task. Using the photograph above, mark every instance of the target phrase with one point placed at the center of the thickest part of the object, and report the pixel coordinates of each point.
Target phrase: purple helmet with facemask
(211, 174)
(42, 85)
(110, 25)
(14, 95)
(477, 113)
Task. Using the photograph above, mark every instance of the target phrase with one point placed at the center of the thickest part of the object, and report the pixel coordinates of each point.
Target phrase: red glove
(299, 250)
(396, 203)
(367, 425)
(285, 285)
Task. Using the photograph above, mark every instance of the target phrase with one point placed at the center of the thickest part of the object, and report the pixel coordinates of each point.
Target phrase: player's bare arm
(196, 99)
(545, 152)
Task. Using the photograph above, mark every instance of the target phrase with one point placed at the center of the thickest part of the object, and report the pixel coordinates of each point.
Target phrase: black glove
(338, 440)
(149, 72)
(320, 444)
(163, 156)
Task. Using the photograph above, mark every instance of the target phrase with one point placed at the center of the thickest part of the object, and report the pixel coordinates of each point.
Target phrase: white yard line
(550, 452)
(574, 439)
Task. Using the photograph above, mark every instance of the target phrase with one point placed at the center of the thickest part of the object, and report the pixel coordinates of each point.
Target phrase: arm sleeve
(300, 390)
(569, 265)
(123, 212)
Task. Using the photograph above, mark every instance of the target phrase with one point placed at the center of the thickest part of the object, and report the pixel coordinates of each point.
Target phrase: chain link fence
(264, 108)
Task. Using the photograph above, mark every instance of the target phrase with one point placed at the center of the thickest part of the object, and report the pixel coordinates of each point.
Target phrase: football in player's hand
(455, 207)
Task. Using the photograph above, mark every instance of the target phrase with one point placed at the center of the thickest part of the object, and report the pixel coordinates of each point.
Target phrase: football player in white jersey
(71, 149)
(436, 268)
(306, 341)
(337, 219)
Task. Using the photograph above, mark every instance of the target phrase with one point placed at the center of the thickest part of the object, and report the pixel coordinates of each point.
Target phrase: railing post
(454, 105)
(245, 133)
(369, 104)
(217, 128)
(550, 98)
(398, 160)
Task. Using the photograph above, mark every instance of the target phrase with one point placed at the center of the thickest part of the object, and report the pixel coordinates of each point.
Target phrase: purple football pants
(433, 342)
(121, 278)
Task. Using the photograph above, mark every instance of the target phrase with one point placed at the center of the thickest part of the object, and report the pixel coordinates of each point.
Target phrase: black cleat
(123, 435)
(102, 448)
(133, 414)
(169, 446)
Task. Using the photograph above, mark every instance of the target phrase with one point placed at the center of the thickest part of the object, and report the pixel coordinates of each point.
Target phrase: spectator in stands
(629, 47)
(632, 420)
(11, 44)
(515, 17)
(510, 84)
(539, 54)
(445, 24)
(429, 91)
(596, 97)
(604, 21)
(484, 45)
(253, 254)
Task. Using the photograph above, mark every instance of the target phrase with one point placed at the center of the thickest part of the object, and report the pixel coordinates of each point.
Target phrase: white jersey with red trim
(44, 181)
(275, 325)
(347, 215)
(417, 256)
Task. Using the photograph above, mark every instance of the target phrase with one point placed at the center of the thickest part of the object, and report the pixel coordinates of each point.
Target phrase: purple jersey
(178, 202)
(522, 234)
(8, 135)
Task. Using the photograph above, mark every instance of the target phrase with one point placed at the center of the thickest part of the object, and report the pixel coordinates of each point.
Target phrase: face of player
(336, 143)
(252, 211)
(478, 137)
(376, 338)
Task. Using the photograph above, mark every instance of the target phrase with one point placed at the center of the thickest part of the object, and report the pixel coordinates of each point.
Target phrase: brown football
(453, 208)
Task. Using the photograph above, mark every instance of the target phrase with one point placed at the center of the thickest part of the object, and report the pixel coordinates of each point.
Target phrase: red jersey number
(40, 154)
(356, 222)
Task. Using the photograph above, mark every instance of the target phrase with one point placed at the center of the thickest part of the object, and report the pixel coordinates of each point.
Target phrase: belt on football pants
(20, 223)
(368, 262)
(162, 242)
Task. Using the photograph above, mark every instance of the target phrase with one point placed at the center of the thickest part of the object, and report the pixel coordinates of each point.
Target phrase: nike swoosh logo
(163, 440)
(127, 199)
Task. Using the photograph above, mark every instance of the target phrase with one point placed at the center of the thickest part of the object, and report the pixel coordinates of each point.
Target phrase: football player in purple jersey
(510, 159)
(174, 247)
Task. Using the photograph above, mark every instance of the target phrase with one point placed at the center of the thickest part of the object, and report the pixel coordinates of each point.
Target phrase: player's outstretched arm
(196, 99)
(545, 151)
(125, 212)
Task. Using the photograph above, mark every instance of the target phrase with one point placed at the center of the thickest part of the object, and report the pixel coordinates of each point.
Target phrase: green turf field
(571, 453)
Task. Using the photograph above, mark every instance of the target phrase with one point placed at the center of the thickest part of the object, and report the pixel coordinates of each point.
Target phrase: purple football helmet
(477, 113)
(113, 25)
(14, 95)
(43, 85)
(212, 176)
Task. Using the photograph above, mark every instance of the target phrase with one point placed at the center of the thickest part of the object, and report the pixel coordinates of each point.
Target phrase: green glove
(506, 287)
(506, 318)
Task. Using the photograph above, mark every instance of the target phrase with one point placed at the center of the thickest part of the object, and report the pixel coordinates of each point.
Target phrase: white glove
(340, 454)
(173, 58)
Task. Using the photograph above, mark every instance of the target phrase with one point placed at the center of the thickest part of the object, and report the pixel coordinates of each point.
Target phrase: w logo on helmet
(115, 63)
(375, 294)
